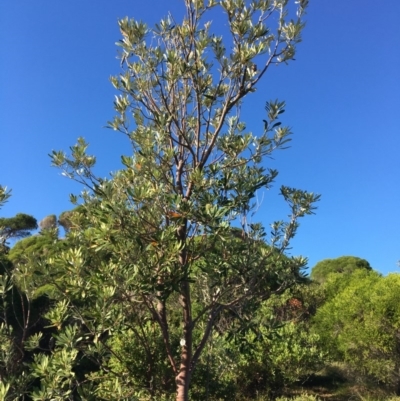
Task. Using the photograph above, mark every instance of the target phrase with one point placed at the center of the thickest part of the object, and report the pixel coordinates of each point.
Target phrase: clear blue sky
(343, 103)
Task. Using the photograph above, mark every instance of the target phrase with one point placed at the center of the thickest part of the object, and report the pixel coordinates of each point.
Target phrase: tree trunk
(182, 388)
(184, 374)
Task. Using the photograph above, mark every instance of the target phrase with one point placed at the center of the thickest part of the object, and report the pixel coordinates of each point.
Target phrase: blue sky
(343, 104)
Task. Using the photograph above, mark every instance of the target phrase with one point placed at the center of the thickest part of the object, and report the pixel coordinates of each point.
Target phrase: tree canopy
(19, 226)
(344, 265)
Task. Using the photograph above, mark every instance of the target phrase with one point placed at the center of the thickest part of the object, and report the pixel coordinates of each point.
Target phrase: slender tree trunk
(185, 371)
(182, 389)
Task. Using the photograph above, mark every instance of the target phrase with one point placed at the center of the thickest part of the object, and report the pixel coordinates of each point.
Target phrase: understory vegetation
(334, 335)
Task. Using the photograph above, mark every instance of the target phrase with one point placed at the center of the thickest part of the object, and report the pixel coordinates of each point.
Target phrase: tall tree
(19, 226)
(158, 235)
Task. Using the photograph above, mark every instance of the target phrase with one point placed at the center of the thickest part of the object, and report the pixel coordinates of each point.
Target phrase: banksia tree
(158, 253)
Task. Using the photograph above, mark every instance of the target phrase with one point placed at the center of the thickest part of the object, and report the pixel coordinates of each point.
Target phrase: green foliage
(14, 380)
(16, 227)
(5, 263)
(4, 195)
(282, 349)
(38, 245)
(344, 265)
(29, 255)
(20, 317)
(360, 325)
(152, 271)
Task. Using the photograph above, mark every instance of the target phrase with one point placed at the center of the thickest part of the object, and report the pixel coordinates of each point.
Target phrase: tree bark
(185, 371)
(182, 388)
